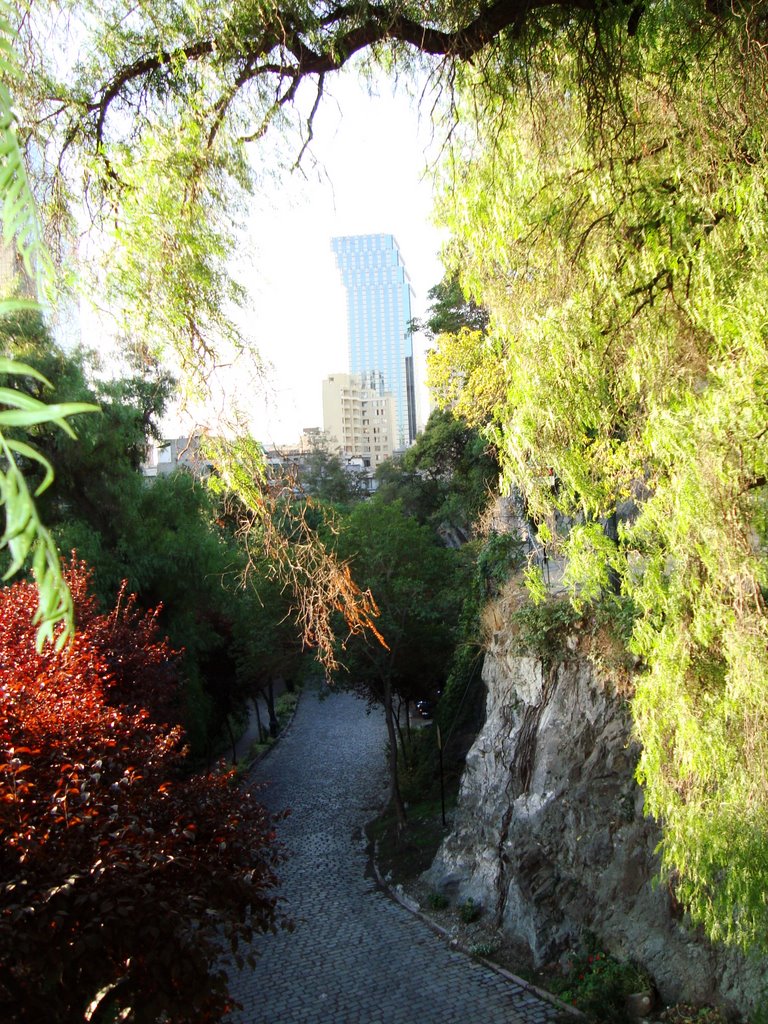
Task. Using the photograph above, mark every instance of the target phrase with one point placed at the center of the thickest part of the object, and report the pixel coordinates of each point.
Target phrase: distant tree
(451, 310)
(122, 875)
(168, 538)
(414, 582)
(445, 479)
(325, 477)
(397, 480)
(98, 483)
(465, 465)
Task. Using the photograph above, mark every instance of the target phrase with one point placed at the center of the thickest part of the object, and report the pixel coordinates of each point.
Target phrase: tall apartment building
(359, 417)
(379, 322)
(165, 457)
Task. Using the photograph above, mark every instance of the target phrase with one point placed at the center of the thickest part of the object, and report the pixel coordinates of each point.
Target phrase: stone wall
(550, 836)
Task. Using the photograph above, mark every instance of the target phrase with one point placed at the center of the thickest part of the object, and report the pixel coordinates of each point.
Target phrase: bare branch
(311, 121)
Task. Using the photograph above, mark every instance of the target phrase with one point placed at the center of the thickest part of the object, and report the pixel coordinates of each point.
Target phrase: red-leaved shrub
(121, 875)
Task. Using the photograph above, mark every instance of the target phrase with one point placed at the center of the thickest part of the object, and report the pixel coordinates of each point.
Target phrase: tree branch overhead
(287, 48)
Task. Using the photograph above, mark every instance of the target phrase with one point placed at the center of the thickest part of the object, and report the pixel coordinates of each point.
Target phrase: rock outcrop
(550, 835)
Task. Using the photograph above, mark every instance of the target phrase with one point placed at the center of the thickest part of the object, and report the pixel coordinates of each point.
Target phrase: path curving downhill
(355, 956)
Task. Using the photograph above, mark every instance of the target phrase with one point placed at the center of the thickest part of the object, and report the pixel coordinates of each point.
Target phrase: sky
(371, 154)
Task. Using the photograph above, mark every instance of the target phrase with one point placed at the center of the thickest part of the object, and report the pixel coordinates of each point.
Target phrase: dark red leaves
(119, 872)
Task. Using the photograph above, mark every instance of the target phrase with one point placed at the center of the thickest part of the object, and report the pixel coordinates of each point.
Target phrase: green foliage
(151, 119)
(461, 708)
(501, 556)
(168, 279)
(535, 584)
(621, 255)
(451, 310)
(324, 478)
(483, 949)
(21, 226)
(25, 536)
(684, 1014)
(470, 911)
(598, 985)
(168, 539)
(175, 548)
(153, 109)
(285, 707)
(415, 584)
(294, 540)
(611, 218)
(758, 1016)
(421, 496)
(541, 630)
(405, 854)
(437, 901)
(445, 479)
(99, 482)
(592, 556)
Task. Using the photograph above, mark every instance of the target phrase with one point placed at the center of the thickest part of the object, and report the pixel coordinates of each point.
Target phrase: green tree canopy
(451, 309)
(161, 111)
(324, 477)
(415, 583)
(445, 479)
(169, 538)
(153, 119)
(98, 478)
(625, 274)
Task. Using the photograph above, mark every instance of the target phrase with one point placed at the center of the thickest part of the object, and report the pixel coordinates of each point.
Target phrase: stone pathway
(355, 956)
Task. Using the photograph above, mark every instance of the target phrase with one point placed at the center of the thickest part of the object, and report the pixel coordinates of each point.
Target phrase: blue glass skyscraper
(379, 321)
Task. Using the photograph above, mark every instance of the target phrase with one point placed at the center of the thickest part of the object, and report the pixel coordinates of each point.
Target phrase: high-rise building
(379, 322)
(358, 418)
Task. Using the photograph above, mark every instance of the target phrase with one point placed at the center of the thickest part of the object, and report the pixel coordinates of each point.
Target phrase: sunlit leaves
(167, 260)
(275, 528)
(21, 227)
(118, 866)
(624, 265)
(25, 536)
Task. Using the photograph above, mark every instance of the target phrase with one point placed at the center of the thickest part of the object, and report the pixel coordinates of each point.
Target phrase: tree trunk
(231, 739)
(259, 725)
(394, 785)
(273, 723)
(400, 732)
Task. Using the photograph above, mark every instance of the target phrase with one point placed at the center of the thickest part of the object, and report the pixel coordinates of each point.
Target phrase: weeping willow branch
(272, 523)
(25, 536)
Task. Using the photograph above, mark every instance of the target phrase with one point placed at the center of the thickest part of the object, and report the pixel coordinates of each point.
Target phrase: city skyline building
(379, 299)
(359, 417)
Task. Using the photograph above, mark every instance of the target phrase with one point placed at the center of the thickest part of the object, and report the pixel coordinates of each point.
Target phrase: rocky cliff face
(550, 835)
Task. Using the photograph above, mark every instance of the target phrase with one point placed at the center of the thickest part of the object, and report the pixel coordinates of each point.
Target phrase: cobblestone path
(355, 957)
